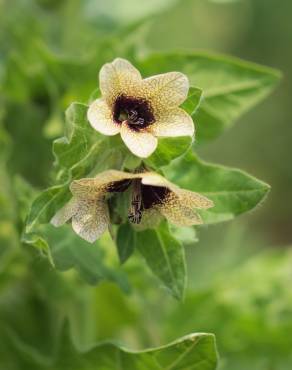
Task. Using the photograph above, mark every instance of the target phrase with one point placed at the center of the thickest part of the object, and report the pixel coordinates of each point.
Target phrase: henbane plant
(127, 173)
(109, 257)
(128, 165)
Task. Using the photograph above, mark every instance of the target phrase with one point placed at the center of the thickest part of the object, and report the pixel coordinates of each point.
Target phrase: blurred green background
(240, 273)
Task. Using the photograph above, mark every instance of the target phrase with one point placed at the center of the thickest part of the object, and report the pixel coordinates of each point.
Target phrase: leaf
(192, 351)
(232, 191)
(131, 162)
(165, 257)
(95, 95)
(67, 251)
(230, 86)
(46, 205)
(191, 104)
(167, 150)
(125, 241)
(71, 148)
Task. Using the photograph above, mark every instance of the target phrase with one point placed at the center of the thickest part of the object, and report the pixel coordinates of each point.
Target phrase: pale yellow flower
(140, 109)
(153, 197)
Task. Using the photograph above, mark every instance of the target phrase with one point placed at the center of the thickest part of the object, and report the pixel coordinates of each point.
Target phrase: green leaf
(165, 257)
(167, 150)
(95, 95)
(131, 162)
(125, 241)
(232, 191)
(230, 86)
(191, 104)
(46, 205)
(192, 351)
(71, 148)
(67, 250)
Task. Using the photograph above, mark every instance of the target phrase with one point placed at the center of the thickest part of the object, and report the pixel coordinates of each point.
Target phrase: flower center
(153, 195)
(137, 112)
(118, 186)
(145, 197)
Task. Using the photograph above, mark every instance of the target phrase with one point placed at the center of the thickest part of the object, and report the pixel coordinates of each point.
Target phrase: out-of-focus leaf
(252, 306)
(230, 86)
(23, 123)
(8, 233)
(194, 350)
(128, 12)
(232, 191)
(67, 251)
(186, 235)
(165, 257)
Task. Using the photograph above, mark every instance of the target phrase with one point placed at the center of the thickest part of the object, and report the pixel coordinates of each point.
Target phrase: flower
(140, 110)
(152, 198)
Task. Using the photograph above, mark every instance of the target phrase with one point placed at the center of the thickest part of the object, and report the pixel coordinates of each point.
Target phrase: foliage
(55, 287)
(232, 191)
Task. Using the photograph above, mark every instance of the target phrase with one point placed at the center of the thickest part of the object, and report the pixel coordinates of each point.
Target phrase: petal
(177, 213)
(87, 188)
(119, 77)
(100, 117)
(174, 122)
(91, 219)
(97, 187)
(193, 200)
(186, 198)
(141, 143)
(65, 213)
(154, 179)
(166, 90)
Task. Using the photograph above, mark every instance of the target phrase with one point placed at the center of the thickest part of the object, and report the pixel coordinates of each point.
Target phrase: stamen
(133, 115)
(140, 121)
(136, 217)
(135, 211)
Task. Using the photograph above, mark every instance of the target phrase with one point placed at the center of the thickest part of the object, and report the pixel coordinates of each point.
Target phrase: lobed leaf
(232, 191)
(70, 149)
(230, 86)
(192, 351)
